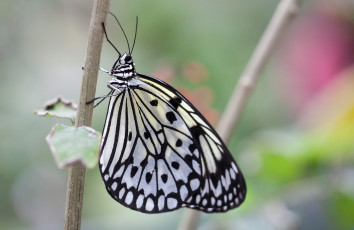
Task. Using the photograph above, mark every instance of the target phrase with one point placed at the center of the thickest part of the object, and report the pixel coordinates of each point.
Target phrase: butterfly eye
(128, 59)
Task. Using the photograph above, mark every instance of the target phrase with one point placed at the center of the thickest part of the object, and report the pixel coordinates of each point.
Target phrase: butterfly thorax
(124, 73)
(125, 70)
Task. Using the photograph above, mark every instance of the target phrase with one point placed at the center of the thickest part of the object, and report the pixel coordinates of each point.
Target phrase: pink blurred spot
(195, 72)
(165, 73)
(318, 47)
(202, 98)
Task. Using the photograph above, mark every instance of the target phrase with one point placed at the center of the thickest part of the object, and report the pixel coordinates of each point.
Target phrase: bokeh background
(294, 143)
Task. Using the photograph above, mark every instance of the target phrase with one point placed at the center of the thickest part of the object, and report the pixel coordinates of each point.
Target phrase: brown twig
(76, 177)
(281, 17)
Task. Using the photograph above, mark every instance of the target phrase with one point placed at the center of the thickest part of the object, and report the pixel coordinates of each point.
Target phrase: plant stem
(281, 17)
(76, 176)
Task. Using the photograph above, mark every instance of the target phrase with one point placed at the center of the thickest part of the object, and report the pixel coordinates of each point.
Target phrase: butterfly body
(158, 153)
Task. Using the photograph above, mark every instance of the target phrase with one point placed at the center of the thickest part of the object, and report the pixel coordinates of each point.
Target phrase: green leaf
(59, 107)
(71, 144)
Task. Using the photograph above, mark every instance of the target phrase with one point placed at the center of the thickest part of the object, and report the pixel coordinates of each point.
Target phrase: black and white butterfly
(158, 153)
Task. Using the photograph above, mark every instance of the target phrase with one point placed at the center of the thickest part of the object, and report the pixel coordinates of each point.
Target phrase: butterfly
(158, 153)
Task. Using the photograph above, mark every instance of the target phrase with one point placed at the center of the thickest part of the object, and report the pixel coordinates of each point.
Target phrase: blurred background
(294, 143)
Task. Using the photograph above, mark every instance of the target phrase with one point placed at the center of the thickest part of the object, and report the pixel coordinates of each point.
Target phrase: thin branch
(76, 176)
(281, 17)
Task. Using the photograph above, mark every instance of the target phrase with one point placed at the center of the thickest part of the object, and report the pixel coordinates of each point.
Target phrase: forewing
(222, 185)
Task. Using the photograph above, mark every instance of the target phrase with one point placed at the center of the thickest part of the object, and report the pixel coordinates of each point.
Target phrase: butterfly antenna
(105, 33)
(121, 29)
(136, 31)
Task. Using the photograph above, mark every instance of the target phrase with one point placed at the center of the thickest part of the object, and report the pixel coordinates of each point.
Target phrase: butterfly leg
(110, 94)
(106, 71)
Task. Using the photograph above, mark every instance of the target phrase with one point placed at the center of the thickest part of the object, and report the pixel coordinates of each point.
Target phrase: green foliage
(72, 144)
(343, 210)
(290, 166)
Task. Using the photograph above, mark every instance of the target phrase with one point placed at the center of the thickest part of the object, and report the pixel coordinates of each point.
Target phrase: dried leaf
(59, 107)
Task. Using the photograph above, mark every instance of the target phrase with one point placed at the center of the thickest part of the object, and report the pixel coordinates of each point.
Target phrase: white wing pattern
(159, 153)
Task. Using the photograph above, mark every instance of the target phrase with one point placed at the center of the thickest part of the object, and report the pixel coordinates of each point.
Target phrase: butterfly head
(126, 59)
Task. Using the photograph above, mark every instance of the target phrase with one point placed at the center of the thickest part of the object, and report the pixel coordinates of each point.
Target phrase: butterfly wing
(159, 153)
(222, 185)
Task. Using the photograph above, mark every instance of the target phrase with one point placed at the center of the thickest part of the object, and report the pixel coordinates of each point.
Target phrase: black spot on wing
(175, 102)
(175, 165)
(178, 143)
(148, 177)
(164, 178)
(171, 117)
(143, 163)
(146, 135)
(130, 136)
(188, 159)
(192, 147)
(154, 102)
(134, 170)
(197, 131)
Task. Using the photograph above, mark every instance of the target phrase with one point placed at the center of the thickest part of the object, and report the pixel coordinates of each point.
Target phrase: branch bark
(281, 17)
(76, 176)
